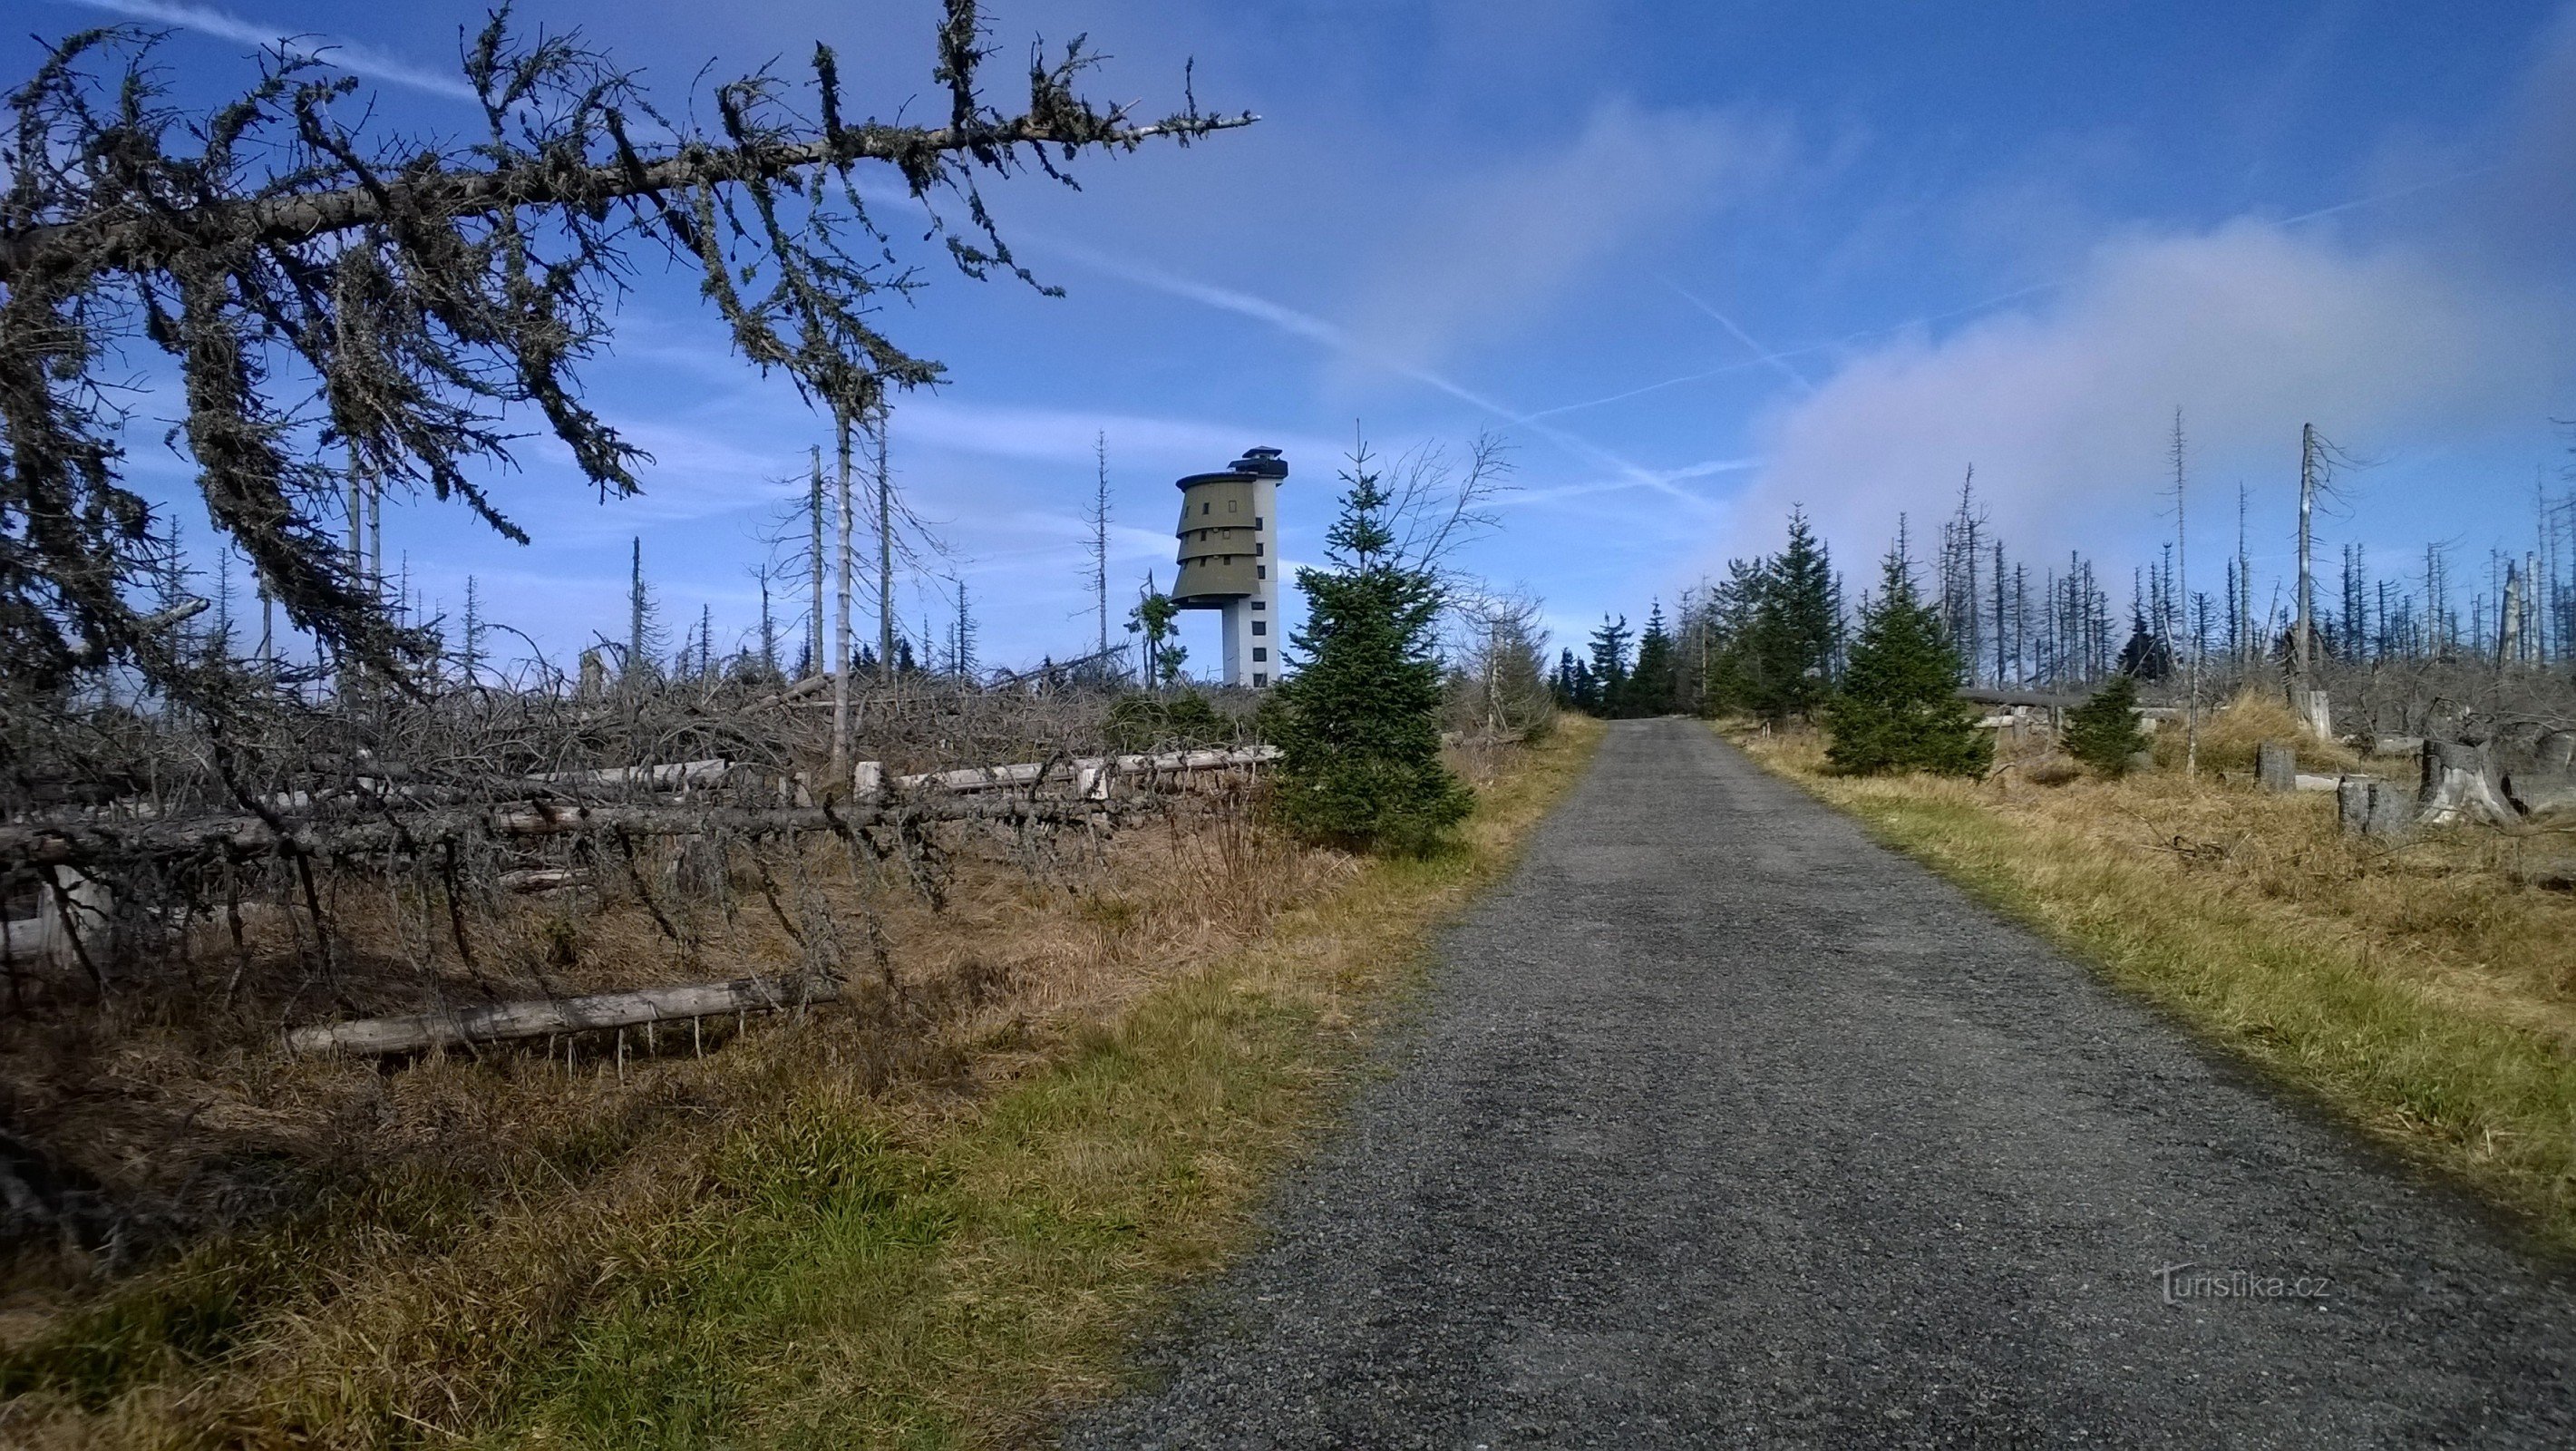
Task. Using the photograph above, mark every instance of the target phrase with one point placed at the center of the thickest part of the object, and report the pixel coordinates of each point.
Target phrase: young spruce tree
(1797, 623)
(1899, 709)
(1358, 724)
(2103, 732)
(1610, 667)
(1650, 688)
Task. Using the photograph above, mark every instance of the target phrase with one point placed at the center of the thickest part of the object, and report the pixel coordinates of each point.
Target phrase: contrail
(1771, 359)
(356, 59)
(1655, 387)
(1761, 354)
(1317, 330)
(2385, 196)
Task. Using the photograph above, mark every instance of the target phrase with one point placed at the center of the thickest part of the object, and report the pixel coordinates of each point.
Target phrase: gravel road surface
(1724, 1126)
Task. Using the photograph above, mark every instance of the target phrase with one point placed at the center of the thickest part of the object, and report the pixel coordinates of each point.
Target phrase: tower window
(1260, 604)
(1259, 549)
(1261, 571)
(1230, 506)
(1261, 627)
(1207, 506)
(1256, 521)
(1259, 654)
(1259, 679)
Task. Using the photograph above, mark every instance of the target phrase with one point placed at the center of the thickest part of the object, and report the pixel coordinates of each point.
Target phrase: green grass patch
(841, 1285)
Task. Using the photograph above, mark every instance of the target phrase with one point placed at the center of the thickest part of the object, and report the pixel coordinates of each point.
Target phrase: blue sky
(1696, 262)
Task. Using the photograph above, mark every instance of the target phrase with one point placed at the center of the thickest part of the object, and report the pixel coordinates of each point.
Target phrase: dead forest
(264, 904)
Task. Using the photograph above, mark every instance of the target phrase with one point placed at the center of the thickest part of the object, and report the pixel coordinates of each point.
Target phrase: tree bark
(73, 844)
(2276, 766)
(841, 631)
(139, 239)
(2456, 788)
(528, 1019)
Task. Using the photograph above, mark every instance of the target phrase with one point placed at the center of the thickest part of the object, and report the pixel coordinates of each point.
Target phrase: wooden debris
(2456, 788)
(546, 1016)
(2276, 766)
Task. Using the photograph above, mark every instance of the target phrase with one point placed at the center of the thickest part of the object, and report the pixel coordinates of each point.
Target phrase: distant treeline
(1770, 638)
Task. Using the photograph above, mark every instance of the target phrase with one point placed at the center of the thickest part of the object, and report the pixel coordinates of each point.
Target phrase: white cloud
(2250, 328)
(1486, 253)
(2439, 324)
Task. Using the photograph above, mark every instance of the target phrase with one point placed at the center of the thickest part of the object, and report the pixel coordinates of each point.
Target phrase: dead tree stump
(2276, 767)
(2369, 807)
(2456, 788)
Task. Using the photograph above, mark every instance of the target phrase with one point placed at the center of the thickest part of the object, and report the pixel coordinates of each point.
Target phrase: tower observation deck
(1228, 522)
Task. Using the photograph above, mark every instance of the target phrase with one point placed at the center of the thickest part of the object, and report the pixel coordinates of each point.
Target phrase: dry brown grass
(2426, 989)
(2229, 734)
(497, 1246)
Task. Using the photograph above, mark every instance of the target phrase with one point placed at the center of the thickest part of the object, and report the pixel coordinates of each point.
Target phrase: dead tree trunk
(529, 1019)
(2276, 766)
(2456, 788)
(841, 630)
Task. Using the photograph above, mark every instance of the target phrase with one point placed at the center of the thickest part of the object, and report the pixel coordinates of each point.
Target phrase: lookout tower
(1228, 521)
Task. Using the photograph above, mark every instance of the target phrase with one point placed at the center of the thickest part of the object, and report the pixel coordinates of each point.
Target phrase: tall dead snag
(344, 306)
(814, 657)
(885, 550)
(841, 660)
(2319, 458)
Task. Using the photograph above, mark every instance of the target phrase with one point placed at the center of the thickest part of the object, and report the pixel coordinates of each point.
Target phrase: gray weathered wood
(2276, 766)
(59, 843)
(537, 1017)
(2367, 806)
(2456, 787)
(2537, 795)
(2391, 812)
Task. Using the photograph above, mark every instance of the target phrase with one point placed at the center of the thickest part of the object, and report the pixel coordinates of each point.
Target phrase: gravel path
(1724, 1126)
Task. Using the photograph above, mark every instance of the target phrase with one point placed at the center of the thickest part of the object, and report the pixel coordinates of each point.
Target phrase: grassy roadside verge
(852, 1285)
(2427, 995)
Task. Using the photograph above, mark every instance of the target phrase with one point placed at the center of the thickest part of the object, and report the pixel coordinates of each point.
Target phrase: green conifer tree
(1899, 708)
(2103, 732)
(1796, 628)
(1650, 686)
(1358, 723)
(1732, 604)
(1610, 666)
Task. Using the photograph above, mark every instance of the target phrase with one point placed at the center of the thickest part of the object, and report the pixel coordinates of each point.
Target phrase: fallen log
(498, 1022)
(542, 879)
(70, 844)
(672, 776)
(796, 692)
(1084, 770)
